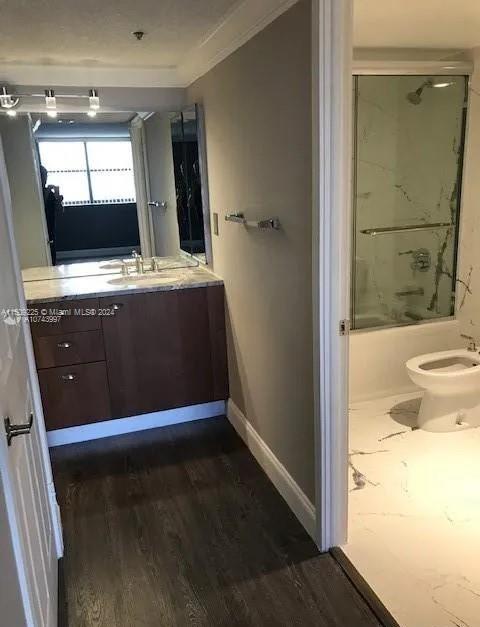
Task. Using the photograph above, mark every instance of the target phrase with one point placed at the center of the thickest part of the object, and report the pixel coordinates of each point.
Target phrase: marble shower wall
(407, 164)
(468, 282)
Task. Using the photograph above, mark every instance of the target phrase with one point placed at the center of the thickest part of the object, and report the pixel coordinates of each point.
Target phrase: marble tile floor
(414, 514)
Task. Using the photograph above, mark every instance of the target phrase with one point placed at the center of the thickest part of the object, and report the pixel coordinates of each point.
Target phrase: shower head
(415, 97)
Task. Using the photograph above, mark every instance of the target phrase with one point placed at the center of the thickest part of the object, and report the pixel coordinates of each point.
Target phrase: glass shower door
(408, 152)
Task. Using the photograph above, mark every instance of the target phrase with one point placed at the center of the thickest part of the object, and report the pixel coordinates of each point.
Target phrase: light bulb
(93, 99)
(50, 103)
(7, 101)
(91, 113)
(11, 113)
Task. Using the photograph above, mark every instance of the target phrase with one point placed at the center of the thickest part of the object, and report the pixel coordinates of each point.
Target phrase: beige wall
(258, 129)
(27, 200)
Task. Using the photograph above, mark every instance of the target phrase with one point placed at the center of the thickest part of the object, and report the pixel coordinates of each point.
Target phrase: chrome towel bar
(270, 223)
(407, 227)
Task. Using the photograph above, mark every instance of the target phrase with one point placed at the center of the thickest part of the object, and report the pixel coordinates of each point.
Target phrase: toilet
(451, 380)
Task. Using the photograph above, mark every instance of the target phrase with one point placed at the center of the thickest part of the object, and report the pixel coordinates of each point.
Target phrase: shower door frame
(332, 245)
(406, 68)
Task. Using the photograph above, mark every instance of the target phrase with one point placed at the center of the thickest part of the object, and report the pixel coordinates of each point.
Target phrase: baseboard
(296, 499)
(120, 426)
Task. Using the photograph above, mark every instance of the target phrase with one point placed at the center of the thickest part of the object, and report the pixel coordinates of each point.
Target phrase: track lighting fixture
(8, 101)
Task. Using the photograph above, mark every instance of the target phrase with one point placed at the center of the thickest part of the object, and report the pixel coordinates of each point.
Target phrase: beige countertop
(78, 287)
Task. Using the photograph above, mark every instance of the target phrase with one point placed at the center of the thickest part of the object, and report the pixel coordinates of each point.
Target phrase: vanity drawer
(69, 322)
(75, 395)
(69, 348)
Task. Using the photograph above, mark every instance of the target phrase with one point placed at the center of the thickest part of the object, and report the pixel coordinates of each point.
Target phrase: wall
(27, 199)
(468, 283)
(257, 106)
(158, 142)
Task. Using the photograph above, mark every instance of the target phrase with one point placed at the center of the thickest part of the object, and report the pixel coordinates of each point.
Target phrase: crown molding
(392, 68)
(245, 20)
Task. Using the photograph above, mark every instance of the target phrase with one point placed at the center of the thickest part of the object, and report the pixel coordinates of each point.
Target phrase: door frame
(333, 67)
(332, 56)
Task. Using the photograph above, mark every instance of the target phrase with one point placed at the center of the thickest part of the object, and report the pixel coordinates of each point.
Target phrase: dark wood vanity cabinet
(159, 350)
(162, 350)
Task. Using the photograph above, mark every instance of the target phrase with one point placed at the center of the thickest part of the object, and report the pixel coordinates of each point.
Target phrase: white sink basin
(135, 280)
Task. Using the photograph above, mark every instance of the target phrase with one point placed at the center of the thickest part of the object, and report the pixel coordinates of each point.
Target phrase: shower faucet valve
(472, 345)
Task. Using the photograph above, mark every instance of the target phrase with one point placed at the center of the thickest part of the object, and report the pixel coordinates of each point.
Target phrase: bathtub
(377, 357)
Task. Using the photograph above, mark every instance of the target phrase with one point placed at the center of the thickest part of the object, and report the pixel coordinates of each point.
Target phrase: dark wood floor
(179, 526)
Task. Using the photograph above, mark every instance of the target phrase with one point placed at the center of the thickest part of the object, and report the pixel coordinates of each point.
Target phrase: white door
(28, 571)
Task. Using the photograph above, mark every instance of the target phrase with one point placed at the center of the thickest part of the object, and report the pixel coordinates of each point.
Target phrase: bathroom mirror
(190, 181)
(88, 191)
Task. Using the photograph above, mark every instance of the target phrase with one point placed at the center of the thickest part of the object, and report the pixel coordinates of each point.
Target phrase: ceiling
(69, 32)
(74, 42)
(446, 24)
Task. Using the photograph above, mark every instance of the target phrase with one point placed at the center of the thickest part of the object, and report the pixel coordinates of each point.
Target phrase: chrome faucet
(472, 345)
(138, 262)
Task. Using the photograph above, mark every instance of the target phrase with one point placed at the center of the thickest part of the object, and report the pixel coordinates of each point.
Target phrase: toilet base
(449, 412)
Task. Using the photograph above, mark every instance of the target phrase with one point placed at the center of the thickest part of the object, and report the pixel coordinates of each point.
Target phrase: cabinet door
(159, 351)
(74, 395)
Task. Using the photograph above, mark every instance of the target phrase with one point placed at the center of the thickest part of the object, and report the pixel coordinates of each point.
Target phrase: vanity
(108, 346)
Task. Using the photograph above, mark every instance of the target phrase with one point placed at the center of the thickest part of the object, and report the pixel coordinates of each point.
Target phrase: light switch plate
(215, 223)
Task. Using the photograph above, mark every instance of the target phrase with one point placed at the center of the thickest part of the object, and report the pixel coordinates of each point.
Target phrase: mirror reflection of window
(90, 171)
(66, 166)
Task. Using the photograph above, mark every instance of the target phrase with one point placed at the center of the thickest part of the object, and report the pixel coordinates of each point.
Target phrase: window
(89, 172)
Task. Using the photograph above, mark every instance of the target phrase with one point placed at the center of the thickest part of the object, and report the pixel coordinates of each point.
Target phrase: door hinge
(344, 327)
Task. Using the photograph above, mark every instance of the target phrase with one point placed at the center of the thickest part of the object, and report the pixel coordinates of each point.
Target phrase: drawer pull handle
(116, 306)
(64, 345)
(69, 377)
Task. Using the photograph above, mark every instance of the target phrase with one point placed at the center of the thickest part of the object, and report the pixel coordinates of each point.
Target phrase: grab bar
(407, 227)
(270, 223)
(413, 292)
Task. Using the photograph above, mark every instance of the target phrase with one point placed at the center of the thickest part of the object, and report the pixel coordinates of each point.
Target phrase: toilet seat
(451, 384)
(446, 362)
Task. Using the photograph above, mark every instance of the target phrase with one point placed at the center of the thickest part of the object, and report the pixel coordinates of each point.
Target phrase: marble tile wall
(407, 161)
(468, 277)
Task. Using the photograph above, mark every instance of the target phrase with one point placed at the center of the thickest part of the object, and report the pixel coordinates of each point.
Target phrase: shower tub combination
(409, 135)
